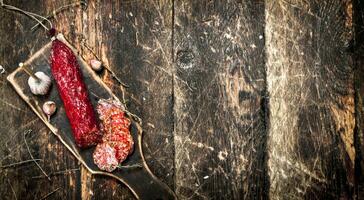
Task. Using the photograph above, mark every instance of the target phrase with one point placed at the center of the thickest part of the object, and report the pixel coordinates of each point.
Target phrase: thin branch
(31, 155)
(29, 14)
(12, 189)
(136, 117)
(19, 163)
(60, 9)
(57, 173)
(49, 194)
(84, 43)
(130, 166)
(95, 95)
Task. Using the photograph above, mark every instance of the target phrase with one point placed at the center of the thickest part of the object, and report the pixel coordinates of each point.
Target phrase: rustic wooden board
(357, 48)
(26, 181)
(148, 44)
(220, 105)
(101, 33)
(136, 37)
(310, 84)
(140, 180)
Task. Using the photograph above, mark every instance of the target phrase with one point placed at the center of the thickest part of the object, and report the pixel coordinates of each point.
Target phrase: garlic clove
(96, 65)
(40, 86)
(2, 70)
(49, 108)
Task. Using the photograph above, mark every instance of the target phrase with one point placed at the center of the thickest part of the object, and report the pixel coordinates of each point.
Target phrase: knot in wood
(185, 59)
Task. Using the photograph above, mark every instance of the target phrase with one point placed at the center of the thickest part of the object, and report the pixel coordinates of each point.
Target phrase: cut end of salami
(104, 157)
(73, 92)
(116, 133)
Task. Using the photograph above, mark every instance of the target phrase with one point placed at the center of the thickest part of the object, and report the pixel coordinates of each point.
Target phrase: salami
(73, 92)
(117, 142)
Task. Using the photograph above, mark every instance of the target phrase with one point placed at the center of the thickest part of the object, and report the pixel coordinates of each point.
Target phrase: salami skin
(80, 113)
(117, 142)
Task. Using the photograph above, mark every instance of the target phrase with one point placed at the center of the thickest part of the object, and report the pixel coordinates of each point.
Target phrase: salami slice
(116, 135)
(73, 92)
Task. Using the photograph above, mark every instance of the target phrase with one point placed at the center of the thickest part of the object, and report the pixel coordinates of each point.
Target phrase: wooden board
(357, 48)
(140, 53)
(26, 181)
(220, 104)
(295, 148)
(140, 180)
(310, 84)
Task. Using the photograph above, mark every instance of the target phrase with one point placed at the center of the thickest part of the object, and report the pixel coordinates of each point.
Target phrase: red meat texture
(73, 92)
(117, 142)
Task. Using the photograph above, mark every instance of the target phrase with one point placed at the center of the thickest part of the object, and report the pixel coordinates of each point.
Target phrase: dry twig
(84, 43)
(19, 163)
(60, 9)
(31, 155)
(49, 194)
(57, 173)
(29, 14)
(130, 166)
(12, 189)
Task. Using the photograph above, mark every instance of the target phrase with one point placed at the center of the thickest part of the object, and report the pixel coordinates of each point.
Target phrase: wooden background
(245, 99)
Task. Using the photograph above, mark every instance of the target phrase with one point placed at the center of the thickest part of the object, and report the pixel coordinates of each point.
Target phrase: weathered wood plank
(27, 181)
(89, 34)
(219, 89)
(135, 41)
(215, 104)
(147, 32)
(358, 50)
(310, 83)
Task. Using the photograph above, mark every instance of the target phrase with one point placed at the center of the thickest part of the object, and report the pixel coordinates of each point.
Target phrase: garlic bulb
(49, 108)
(96, 65)
(41, 85)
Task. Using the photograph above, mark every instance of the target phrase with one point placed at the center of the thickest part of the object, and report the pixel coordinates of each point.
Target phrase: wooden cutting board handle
(149, 187)
(140, 180)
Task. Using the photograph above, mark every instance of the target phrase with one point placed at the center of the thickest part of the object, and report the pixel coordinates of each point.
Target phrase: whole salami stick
(73, 92)
(72, 89)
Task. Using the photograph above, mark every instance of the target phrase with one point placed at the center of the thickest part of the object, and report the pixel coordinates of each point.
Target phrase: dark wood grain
(87, 35)
(139, 180)
(245, 99)
(99, 32)
(357, 48)
(310, 83)
(27, 181)
(220, 132)
(137, 41)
